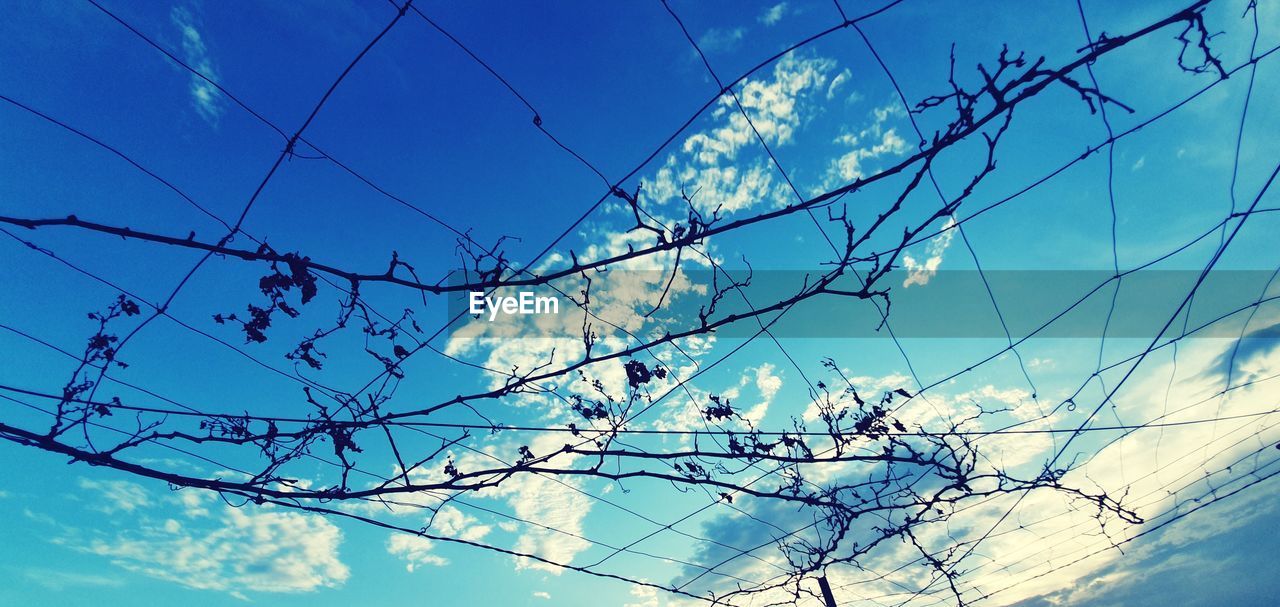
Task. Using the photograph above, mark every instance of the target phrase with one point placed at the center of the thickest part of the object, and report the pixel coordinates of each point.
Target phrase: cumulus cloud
(751, 395)
(205, 98)
(1168, 570)
(1164, 468)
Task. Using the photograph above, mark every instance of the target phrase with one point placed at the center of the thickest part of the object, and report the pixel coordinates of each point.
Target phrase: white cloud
(989, 394)
(710, 162)
(542, 500)
(836, 83)
(54, 579)
(205, 98)
(1035, 363)
(39, 517)
(538, 594)
(772, 15)
(768, 384)
(717, 40)
(920, 272)
(115, 496)
(550, 513)
(721, 168)
(848, 167)
(646, 596)
(194, 503)
(1152, 470)
(249, 549)
(448, 522)
(1032, 552)
(870, 143)
(415, 550)
(729, 188)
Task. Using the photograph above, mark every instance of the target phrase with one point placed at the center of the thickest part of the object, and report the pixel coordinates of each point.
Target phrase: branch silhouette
(900, 479)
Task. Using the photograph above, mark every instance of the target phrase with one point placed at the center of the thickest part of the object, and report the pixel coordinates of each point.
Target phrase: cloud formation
(205, 98)
(1037, 557)
(240, 550)
(709, 166)
(115, 496)
(717, 40)
(56, 579)
(772, 15)
(872, 142)
(448, 521)
(920, 272)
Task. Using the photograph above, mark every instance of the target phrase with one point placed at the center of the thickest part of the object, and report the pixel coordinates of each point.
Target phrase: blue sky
(425, 122)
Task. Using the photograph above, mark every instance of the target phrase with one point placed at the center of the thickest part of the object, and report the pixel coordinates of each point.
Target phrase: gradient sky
(613, 82)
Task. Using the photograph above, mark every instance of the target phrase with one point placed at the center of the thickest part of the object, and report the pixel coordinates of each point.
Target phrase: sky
(621, 96)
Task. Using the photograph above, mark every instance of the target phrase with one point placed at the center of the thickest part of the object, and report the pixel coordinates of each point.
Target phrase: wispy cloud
(1038, 562)
(415, 551)
(871, 142)
(115, 496)
(38, 517)
(205, 98)
(258, 549)
(449, 521)
(719, 40)
(710, 161)
(54, 579)
(773, 14)
(560, 510)
(920, 272)
(836, 83)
